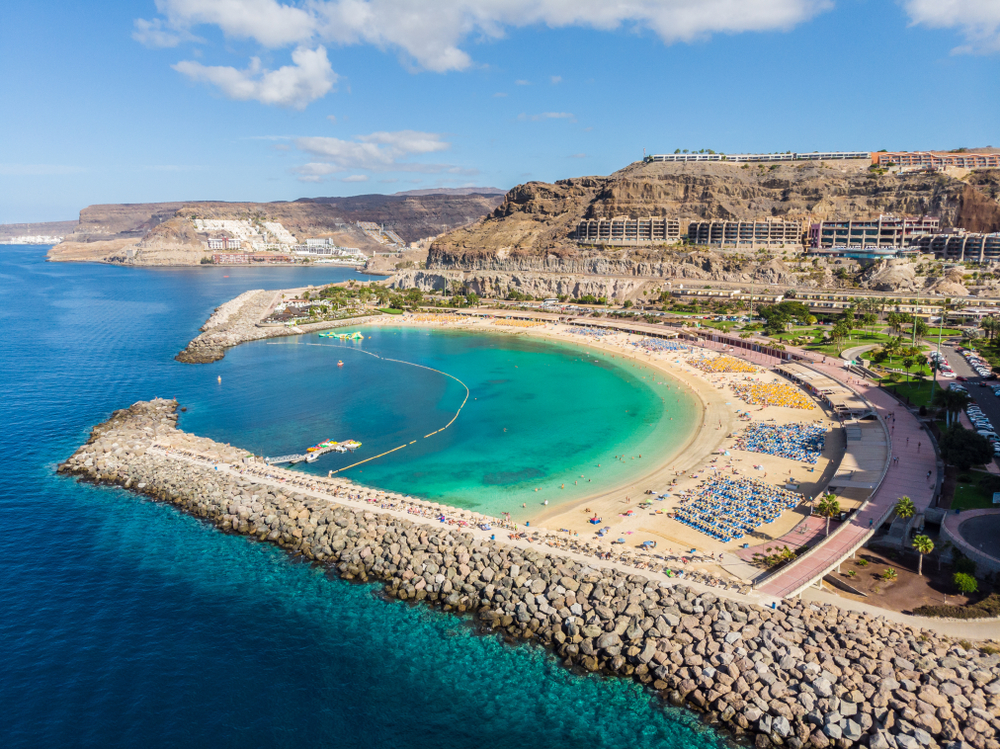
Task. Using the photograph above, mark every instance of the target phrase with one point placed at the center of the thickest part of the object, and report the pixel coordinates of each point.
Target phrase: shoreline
(681, 468)
(662, 465)
(760, 672)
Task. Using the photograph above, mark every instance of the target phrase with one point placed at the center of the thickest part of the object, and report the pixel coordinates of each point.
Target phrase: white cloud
(268, 22)
(978, 20)
(356, 178)
(522, 82)
(310, 77)
(499, 95)
(555, 79)
(332, 118)
(379, 152)
(547, 116)
(431, 35)
(155, 34)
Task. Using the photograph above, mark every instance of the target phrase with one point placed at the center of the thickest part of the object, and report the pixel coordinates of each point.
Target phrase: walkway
(806, 533)
(906, 476)
(972, 629)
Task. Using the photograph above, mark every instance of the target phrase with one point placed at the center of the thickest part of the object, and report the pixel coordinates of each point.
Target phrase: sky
(262, 100)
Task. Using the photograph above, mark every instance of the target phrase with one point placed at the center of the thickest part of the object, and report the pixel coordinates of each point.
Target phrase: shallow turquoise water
(127, 624)
(540, 414)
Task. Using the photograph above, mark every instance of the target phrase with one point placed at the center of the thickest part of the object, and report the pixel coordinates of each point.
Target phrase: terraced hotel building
(962, 245)
(747, 234)
(624, 231)
(886, 231)
(937, 159)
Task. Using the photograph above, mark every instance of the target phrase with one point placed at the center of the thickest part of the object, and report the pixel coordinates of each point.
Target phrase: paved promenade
(912, 458)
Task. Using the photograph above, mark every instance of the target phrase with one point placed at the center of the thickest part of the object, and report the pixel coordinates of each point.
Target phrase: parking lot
(979, 389)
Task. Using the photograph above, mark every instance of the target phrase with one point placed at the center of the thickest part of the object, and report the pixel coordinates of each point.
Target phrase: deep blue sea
(126, 623)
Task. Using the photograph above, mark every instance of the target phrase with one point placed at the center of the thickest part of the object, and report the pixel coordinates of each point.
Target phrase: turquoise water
(540, 414)
(127, 624)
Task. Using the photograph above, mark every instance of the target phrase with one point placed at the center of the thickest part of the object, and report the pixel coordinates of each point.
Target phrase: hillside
(164, 233)
(45, 228)
(532, 227)
(526, 244)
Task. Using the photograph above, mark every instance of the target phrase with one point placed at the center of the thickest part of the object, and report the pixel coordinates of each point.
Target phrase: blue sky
(109, 102)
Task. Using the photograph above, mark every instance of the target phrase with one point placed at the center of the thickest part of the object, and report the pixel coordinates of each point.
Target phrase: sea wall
(800, 674)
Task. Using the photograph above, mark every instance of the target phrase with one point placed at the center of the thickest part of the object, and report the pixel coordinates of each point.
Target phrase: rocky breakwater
(239, 321)
(795, 676)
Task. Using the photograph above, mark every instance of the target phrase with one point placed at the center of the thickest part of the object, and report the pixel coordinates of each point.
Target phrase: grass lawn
(390, 310)
(896, 362)
(968, 494)
(944, 332)
(918, 391)
(723, 325)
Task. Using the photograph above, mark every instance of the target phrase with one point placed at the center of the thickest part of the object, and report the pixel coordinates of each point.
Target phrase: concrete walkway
(851, 354)
(805, 533)
(973, 629)
(906, 476)
(912, 472)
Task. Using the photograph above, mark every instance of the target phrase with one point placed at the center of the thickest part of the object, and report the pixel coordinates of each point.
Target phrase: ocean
(126, 623)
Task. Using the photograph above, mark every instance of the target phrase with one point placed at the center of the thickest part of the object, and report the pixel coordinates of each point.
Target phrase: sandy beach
(686, 467)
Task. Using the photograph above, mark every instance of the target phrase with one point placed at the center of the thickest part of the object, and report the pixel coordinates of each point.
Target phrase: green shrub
(862, 563)
(987, 608)
(965, 583)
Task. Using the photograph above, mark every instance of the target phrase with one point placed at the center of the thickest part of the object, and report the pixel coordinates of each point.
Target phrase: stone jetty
(240, 320)
(799, 675)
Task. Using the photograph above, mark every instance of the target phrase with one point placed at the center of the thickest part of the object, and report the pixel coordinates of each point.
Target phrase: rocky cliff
(163, 233)
(532, 229)
(527, 242)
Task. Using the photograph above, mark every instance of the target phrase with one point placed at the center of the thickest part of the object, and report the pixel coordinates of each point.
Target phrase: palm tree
(908, 363)
(828, 508)
(952, 401)
(868, 319)
(905, 507)
(923, 545)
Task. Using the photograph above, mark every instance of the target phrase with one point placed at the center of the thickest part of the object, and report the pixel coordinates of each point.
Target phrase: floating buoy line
(397, 361)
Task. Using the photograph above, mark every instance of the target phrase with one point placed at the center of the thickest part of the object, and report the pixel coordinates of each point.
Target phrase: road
(979, 389)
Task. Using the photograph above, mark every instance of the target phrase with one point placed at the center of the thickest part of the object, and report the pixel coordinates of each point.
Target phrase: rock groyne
(794, 676)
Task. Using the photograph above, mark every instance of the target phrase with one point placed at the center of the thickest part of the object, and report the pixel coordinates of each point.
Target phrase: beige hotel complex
(905, 234)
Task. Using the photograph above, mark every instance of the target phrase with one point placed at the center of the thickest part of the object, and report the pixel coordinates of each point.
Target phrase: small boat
(340, 363)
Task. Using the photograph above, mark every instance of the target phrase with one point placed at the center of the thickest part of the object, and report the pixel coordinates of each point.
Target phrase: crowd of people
(721, 364)
(659, 344)
(758, 393)
(516, 323)
(728, 507)
(798, 441)
(434, 317)
(595, 332)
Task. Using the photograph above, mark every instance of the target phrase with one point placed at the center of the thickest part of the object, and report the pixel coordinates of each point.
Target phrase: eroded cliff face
(163, 233)
(532, 228)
